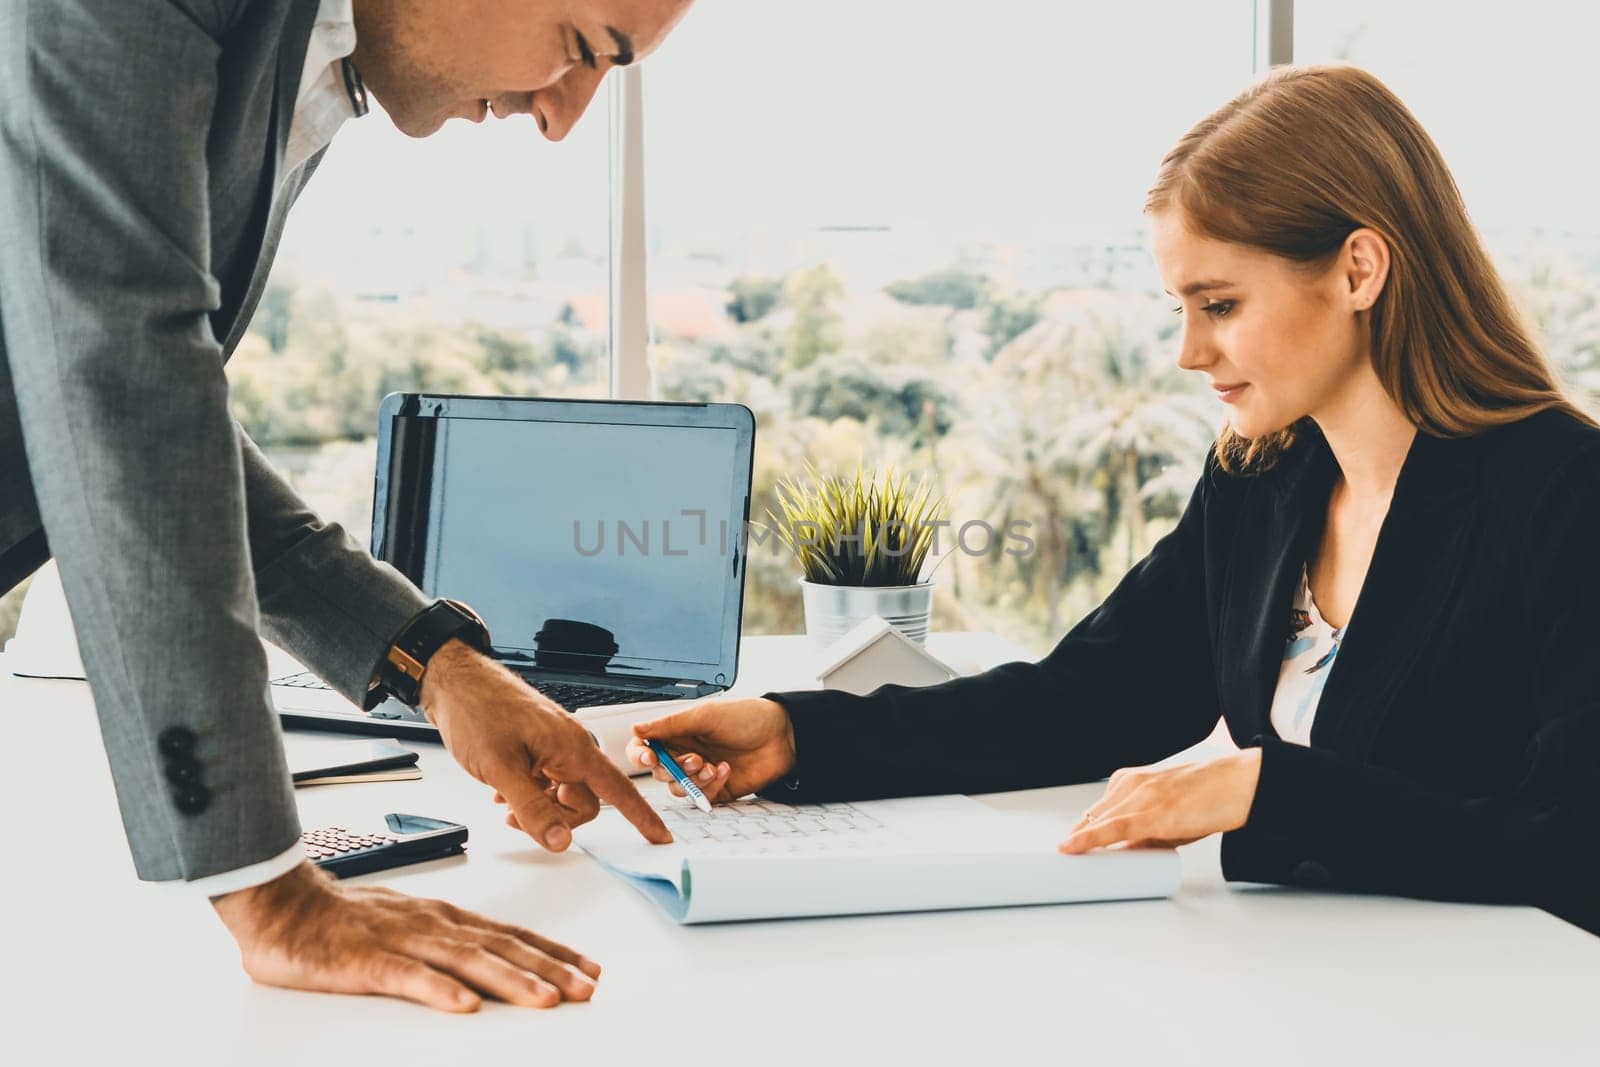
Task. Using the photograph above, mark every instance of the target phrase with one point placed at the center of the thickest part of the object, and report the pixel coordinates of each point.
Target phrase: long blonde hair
(1304, 157)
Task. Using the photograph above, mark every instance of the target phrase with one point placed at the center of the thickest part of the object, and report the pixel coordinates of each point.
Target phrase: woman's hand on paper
(304, 930)
(1146, 807)
(534, 754)
(729, 747)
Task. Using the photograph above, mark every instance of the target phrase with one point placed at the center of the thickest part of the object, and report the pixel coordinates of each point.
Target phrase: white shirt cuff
(214, 885)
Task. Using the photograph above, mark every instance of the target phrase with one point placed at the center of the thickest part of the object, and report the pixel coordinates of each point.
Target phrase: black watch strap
(407, 660)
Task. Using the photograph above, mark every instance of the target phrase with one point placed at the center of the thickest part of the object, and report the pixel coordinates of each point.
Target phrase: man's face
(427, 61)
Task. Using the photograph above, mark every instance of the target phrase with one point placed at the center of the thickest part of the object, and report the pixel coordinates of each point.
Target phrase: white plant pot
(833, 610)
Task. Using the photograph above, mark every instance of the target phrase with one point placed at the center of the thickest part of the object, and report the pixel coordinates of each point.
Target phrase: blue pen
(682, 779)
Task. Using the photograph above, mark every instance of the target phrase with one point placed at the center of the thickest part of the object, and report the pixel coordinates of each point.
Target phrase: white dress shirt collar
(330, 88)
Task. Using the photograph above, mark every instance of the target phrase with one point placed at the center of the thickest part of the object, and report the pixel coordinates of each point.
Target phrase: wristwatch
(407, 660)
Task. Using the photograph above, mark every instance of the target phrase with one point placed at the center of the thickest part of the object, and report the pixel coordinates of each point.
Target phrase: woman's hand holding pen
(1147, 807)
(729, 747)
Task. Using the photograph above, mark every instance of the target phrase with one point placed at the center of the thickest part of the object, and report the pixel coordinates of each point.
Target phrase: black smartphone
(405, 839)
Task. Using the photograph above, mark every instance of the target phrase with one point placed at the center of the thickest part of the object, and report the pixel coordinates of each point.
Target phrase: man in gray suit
(149, 150)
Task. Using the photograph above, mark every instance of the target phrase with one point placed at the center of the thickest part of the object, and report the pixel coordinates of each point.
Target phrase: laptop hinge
(614, 682)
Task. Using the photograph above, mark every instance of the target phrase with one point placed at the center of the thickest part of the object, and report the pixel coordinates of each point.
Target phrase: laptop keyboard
(569, 695)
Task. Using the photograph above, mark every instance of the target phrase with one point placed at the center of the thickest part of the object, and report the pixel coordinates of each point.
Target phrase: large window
(912, 234)
(474, 261)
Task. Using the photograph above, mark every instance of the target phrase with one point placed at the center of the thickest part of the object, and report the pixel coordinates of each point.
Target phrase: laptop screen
(590, 544)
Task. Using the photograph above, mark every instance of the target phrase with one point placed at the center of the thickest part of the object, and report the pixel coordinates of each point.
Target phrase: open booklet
(757, 859)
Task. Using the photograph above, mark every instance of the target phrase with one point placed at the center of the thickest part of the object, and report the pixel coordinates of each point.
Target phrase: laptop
(602, 541)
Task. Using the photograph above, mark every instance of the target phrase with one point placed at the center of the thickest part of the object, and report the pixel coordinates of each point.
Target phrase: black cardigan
(1455, 753)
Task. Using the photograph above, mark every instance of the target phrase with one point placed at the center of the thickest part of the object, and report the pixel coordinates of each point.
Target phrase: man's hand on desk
(730, 747)
(528, 748)
(306, 931)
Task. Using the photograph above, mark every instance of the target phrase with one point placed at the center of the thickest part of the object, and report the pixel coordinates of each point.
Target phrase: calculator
(405, 839)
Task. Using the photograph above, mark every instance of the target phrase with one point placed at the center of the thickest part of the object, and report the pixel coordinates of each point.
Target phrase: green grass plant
(865, 530)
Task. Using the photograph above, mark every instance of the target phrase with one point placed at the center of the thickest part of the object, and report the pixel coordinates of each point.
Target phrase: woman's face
(1277, 340)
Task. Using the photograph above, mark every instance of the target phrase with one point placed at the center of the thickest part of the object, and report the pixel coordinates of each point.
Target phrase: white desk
(96, 964)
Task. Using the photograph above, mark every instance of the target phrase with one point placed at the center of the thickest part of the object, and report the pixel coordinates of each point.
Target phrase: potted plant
(862, 543)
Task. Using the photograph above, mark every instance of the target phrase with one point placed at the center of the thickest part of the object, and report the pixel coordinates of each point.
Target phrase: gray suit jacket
(141, 201)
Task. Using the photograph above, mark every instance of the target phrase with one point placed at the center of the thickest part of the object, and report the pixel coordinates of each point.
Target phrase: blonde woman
(1387, 582)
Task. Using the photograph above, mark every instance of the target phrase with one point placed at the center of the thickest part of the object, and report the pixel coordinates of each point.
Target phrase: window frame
(630, 313)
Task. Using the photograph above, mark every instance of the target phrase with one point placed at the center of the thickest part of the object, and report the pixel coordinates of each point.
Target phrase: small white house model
(874, 653)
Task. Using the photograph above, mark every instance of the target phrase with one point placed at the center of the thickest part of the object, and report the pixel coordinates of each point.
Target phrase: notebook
(399, 774)
(757, 859)
(320, 762)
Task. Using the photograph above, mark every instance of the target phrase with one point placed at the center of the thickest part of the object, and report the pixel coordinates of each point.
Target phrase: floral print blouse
(1308, 655)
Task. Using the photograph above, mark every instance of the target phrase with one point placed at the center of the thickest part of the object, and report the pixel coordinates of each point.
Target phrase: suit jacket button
(1311, 874)
(193, 799)
(183, 771)
(176, 741)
